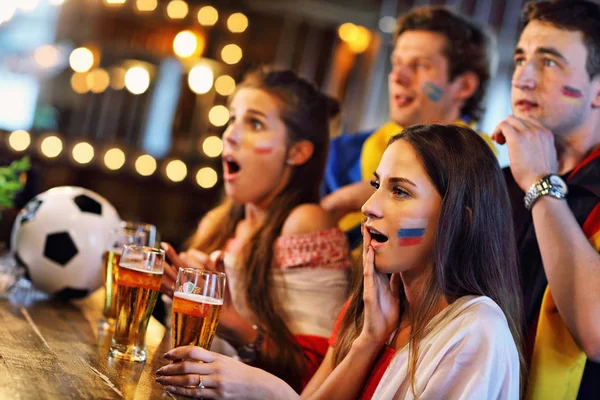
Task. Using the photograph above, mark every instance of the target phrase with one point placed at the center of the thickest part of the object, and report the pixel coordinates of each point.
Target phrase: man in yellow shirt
(440, 71)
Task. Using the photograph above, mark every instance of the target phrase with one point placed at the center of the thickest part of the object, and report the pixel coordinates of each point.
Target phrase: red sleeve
(336, 328)
(314, 349)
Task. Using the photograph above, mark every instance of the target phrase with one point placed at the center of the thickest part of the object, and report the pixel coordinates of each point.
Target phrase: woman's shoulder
(307, 218)
(478, 319)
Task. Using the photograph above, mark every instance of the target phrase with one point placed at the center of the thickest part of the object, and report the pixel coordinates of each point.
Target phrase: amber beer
(195, 319)
(138, 285)
(129, 233)
(110, 260)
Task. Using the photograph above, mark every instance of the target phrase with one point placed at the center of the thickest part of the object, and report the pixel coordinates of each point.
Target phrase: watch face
(558, 184)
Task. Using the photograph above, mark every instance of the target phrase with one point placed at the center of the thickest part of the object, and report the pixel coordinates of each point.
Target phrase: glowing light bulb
(207, 178)
(83, 153)
(212, 146)
(51, 146)
(19, 140)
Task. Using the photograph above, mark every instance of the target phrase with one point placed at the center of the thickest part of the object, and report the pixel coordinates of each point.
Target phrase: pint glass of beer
(126, 235)
(197, 305)
(138, 284)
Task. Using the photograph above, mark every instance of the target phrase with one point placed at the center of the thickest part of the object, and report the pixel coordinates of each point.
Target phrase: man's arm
(572, 267)
(571, 264)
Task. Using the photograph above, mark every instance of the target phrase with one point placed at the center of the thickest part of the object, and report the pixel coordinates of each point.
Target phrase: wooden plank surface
(54, 350)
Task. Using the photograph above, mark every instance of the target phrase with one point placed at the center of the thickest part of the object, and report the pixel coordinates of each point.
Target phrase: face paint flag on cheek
(263, 147)
(411, 232)
(432, 91)
(571, 94)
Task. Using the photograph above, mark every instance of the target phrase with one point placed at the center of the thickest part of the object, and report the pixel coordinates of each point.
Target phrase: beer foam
(139, 268)
(198, 298)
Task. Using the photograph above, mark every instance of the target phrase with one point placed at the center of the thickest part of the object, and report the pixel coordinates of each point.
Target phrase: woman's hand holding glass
(216, 376)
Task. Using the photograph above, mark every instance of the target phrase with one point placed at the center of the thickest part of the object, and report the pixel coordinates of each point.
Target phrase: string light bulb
(19, 140)
(145, 165)
(51, 146)
(83, 153)
(206, 178)
(176, 170)
(208, 16)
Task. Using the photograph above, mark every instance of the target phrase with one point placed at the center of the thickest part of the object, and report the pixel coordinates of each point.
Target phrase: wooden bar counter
(54, 350)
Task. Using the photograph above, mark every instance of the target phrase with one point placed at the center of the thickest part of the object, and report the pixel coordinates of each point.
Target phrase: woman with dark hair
(287, 263)
(436, 312)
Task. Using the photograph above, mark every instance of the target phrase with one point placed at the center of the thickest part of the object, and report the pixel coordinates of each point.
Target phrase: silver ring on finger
(200, 384)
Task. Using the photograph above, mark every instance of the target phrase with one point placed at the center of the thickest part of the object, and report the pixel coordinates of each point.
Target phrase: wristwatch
(551, 185)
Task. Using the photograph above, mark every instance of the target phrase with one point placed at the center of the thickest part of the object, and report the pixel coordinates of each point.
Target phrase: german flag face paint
(571, 95)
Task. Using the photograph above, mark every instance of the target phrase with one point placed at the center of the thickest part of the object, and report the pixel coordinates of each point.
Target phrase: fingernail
(159, 379)
(170, 389)
(164, 246)
(159, 371)
(166, 355)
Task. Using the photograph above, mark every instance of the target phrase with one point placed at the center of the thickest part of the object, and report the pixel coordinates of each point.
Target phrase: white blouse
(470, 354)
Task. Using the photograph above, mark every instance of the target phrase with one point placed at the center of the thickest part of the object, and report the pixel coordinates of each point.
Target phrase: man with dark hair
(440, 72)
(553, 140)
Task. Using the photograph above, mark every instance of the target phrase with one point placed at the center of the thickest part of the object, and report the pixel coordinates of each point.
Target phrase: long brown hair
(305, 112)
(475, 248)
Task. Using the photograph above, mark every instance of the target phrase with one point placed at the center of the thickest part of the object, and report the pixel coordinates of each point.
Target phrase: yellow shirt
(370, 157)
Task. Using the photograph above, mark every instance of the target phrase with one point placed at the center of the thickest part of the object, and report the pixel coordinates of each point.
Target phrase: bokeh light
(26, 5)
(47, 56)
(137, 80)
(218, 115)
(81, 59)
(7, 11)
(79, 83)
(145, 165)
(177, 9)
(200, 79)
(225, 85)
(114, 2)
(51, 146)
(98, 80)
(348, 32)
(206, 177)
(387, 24)
(185, 44)
(212, 146)
(114, 159)
(19, 140)
(176, 170)
(231, 54)
(237, 23)
(208, 16)
(56, 2)
(362, 41)
(146, 5)
(117, 78)
(83, 152)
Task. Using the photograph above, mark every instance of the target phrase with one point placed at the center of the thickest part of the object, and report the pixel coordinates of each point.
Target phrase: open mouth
(378, 236)
(402, 100)
(231, 166)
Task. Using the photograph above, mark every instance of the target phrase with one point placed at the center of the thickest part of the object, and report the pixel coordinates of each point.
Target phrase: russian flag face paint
(411, 232)
(571, 94)
(432, 91)
(263, 147)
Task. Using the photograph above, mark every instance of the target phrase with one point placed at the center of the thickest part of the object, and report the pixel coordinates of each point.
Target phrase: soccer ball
(59, 237)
